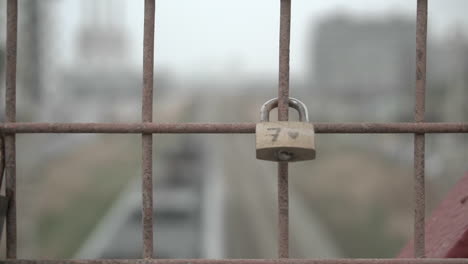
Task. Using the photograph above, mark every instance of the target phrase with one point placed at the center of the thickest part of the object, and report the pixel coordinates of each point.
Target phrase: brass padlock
(285, 140)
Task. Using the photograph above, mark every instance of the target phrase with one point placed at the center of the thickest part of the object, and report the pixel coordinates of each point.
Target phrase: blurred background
(217, 61)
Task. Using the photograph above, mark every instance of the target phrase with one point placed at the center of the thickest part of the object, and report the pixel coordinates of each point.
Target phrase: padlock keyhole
(284, 155)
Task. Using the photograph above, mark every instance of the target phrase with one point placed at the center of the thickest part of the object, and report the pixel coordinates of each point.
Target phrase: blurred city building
(35, 17)
(367, 65)
(356, 56)
(364, 71)
(446, 98)
(101, 84)
(448, 78)
(102, 38)
(362, 62)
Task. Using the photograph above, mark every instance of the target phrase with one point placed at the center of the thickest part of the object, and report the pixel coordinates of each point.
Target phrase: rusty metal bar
(2, 160)
(10, 139)
(243, 261)
(283, 210)
(147, 138)
(3, 212)
(419, 138)
(227, 128)
(283, 107)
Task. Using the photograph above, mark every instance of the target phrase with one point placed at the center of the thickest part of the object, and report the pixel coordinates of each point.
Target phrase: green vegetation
(65, 224)
(363, 203)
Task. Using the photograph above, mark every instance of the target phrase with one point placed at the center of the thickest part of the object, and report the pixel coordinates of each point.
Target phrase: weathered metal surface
(285, 141)
(3, 212)
(2, 160)
(10, 114)
(283, 209)
(227, 128)
(3, 199)
(292, 102)
(147, 138)
(124, 128)
(12, 29)
(242, 261)
(283, 110)
(419, 139)
(447, 227)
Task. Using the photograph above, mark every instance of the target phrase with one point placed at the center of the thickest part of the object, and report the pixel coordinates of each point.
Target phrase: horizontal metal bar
(241, 261)
(226, 128)
(125, 128)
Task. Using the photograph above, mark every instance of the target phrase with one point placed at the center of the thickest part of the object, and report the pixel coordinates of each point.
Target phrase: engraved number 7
(276, 134)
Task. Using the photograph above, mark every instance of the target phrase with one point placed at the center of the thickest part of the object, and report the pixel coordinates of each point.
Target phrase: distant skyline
(221, 36)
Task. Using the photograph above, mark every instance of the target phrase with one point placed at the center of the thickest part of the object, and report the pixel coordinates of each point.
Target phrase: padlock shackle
(292, 102)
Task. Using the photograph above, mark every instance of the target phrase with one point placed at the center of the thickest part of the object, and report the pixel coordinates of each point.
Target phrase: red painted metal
(447, 228)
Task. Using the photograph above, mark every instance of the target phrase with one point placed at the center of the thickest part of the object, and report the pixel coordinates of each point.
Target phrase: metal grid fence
(147, 128)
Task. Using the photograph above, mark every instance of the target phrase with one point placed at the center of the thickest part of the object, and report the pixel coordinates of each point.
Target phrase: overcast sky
(217, 36)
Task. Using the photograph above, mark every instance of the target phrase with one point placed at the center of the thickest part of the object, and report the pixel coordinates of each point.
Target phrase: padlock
(285, 140)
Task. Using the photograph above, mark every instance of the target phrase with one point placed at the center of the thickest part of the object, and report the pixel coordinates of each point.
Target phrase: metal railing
(147, 128)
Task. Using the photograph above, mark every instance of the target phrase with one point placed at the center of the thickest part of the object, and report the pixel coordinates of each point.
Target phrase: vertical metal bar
(10, 113)
(283, 210)
(419, 139)
(2, 161)
(147, 139)
(283, 97)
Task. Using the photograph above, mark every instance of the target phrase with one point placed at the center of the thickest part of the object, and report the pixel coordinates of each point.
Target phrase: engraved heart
(293, 135)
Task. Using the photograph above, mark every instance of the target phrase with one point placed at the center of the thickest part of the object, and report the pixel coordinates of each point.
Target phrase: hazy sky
(218, 36)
